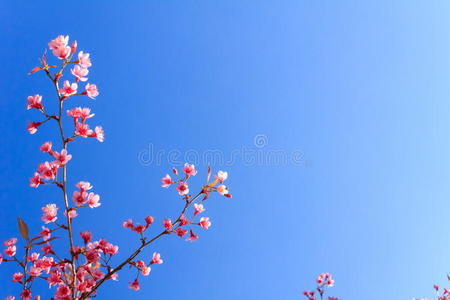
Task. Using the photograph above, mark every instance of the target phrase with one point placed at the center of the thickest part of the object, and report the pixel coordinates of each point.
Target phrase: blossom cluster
(60, 49)
(323, 281)
(443, 294)
(183, 224)
(89, 264)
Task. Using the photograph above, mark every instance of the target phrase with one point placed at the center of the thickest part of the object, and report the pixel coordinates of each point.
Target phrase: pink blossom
(45, 233)
(10, 242)
(80, 73)
(54, 278)
(184, 221)
(58, 42)
(322, 277)
(325, 279)
(145, 270)
(84, 185)
(84, 60)
(97, 274)
(17, 277)
(78, 112)
(10, 251)
(149, 220)
(82, 130)
(205, 223)
(74, 112)
(91, 91)
(139, 229)
(74, 46)
(222, 176)
(46, 147)
(68, 89)
(84, 286)
(62, 292)
(62, 52)
(222, 189)
(26, 294)
(33, 257)
(10, 247)
(92, 255)
(114, 276)
(93, 200)
(35, 181)
(50, 212)
(33, 127)
(10, 298)
(166, 181)
(140, 263)
(198, 208)
(76, 250)
(86, 236)
(134, 285)
(79, 198)
(128, 224)
(85, 114)
(48, 170)
(98, 133)
(182, 188)
(1, 259)
(156, 260)
(192, 236)
(59, 47)
(168, 224)
(34, 271)
(71, 213)
(34, 102)
(45, 263)
(47, 249)
(110, 249)
(180, 232)
(189, 170)
(62, 158)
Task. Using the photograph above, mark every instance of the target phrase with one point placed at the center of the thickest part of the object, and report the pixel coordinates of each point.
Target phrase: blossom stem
(64, 175)
(27, 250)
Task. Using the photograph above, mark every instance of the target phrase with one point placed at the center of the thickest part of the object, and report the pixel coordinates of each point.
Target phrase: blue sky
(359, 88)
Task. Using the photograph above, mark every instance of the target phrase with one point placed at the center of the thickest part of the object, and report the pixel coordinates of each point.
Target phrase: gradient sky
(360, 88)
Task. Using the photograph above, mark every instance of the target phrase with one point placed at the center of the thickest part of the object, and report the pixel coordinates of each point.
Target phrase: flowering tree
(325, 281)
(89, 263)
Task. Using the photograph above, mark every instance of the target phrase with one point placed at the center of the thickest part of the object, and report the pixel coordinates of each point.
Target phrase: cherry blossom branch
(138, 251)
(89, 266)
(324, 281)
(63, 186)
